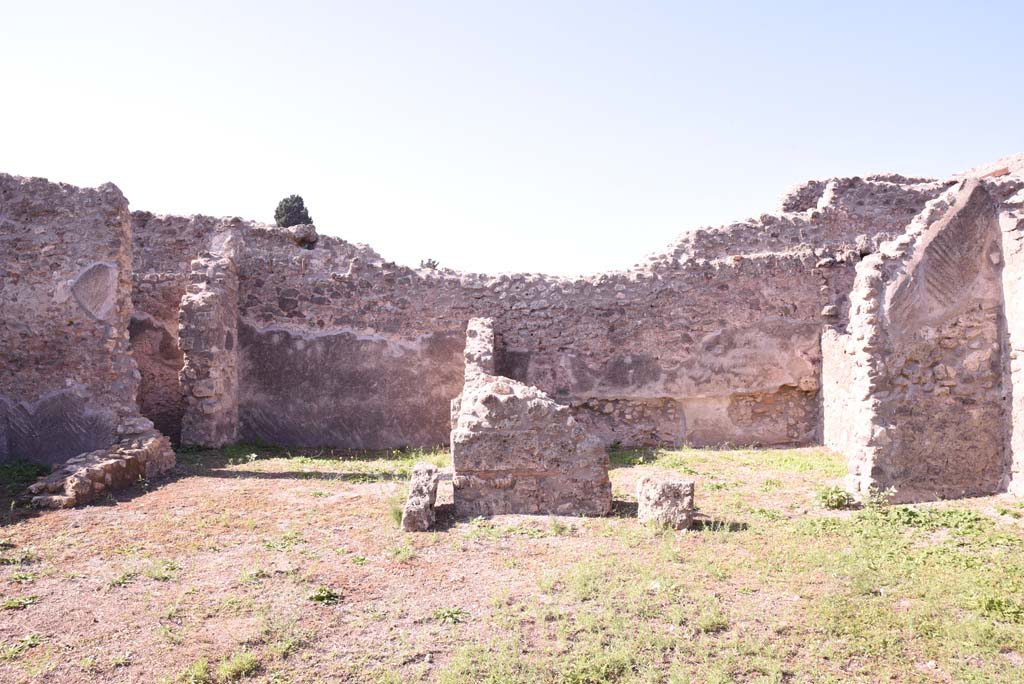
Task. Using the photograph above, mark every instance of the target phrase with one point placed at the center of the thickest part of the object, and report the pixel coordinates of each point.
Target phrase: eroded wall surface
(66, 374)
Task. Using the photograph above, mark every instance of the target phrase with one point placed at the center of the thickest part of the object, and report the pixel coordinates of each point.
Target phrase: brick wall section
(375, 349)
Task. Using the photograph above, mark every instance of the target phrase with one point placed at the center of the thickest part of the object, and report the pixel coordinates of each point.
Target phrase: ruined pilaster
(208, 336)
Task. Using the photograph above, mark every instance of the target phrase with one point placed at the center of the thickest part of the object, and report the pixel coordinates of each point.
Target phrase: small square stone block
(667, 502)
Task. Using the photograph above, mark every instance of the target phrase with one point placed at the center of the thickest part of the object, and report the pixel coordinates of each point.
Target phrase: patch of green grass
(24, 577)
(396, 509)
(198, 672)
(15, 476)
(450, 616)
(354, 467)
(597, 666)
(559, 528)
(587, 581)
(1004, 609)
(128, 549)
(162, 570)
(238, 665)
(16, 649)
(711, 620)
(1012, 512)
(253, 576)
(19, 602)
(403, 553)
(834, 498)
(497, 662)
(288, 541)
(122, 660)
(124, 579)
(627, 458)
(23, 557)
(325, 596)
(360, 560)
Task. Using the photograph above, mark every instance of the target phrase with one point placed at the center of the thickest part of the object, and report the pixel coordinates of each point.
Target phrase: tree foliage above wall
(291, 211)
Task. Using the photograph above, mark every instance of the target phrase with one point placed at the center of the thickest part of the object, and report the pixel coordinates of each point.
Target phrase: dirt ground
(266, 566)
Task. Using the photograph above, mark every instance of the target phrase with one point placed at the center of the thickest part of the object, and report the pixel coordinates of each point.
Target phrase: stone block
(666, 502)
(418, 515)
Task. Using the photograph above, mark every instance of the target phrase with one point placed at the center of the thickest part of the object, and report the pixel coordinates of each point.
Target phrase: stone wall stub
(515, 450)
(914, 390)
(208, 336)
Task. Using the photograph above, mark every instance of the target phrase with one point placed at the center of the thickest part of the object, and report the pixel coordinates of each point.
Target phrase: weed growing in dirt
(325, 596)
(395, 510)
(403, 553)
(197, 673)
(712, 619)
(253, 576)
(238, 665)
(122, 660)
(23, 557)
(450, 616)
(162, 570)
(559, 528)
(19, 602)
(287, 541)
(834, 498)
(124, 579)
(15, 650)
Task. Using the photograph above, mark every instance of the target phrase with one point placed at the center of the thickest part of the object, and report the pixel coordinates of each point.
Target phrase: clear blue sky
(535, 136)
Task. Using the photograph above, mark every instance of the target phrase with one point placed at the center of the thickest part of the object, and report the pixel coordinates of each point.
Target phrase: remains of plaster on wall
(394, 345)
(95, 290)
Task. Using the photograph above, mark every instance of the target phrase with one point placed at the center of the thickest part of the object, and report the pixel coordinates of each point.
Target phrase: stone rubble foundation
(144, 455)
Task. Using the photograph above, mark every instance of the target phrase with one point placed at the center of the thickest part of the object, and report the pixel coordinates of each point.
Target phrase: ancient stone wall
(715, 341)
(741, 335)
(376, 349)
(914, 391)
(66, 375)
